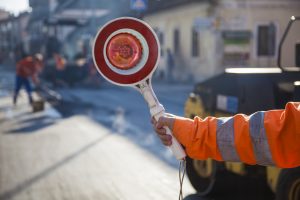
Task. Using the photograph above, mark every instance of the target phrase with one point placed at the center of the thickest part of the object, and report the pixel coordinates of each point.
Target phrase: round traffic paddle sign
(126, 51)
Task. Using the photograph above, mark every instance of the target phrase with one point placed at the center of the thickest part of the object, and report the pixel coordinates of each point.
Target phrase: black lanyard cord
(182, 169)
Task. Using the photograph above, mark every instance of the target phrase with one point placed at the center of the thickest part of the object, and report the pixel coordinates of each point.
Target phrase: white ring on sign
(145, 52)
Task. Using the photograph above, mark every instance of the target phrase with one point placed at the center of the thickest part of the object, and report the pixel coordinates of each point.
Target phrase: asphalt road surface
(124, 111)
(94, 144)
(45, 156)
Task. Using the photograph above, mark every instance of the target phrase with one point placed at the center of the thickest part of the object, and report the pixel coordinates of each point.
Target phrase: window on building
(195, 43)
(160, 36)
(266, 40)
(161, 41)
(176, 41)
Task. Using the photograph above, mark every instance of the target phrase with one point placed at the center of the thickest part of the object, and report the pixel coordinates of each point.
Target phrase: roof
(12, 17)
(84, 10)
(159, 5)
(117, 6)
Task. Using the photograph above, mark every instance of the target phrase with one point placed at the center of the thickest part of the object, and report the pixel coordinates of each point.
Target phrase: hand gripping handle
(157, 111)
(176, 147)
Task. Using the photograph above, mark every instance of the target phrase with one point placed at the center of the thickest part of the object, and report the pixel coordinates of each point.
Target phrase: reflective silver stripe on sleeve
(225, 139)
(259, 139)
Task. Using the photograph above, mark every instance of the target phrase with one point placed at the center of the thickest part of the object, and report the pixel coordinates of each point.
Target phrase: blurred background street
(85, 148)
(80, 137)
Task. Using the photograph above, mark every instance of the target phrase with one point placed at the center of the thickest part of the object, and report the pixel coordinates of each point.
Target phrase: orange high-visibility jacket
(266, 137)
(26, 67)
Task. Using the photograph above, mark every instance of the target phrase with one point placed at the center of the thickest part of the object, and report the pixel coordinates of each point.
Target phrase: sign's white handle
(175, 147)
(157, 111)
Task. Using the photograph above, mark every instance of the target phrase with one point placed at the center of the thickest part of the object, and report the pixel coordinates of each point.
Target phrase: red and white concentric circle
(133, 66)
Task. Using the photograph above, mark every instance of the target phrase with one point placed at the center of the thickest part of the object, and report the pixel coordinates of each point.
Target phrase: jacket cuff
(182, 130)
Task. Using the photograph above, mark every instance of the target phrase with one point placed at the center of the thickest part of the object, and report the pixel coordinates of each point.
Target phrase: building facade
(263, 24)
(205, 37)
(73, 24)
(13, 36)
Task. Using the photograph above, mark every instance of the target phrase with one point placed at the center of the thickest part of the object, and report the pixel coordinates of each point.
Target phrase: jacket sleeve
(266, 137)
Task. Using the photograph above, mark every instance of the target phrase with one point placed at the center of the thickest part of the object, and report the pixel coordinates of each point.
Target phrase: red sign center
(124, 51)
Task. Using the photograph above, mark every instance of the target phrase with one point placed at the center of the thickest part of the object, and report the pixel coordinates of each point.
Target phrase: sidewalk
(44, 156)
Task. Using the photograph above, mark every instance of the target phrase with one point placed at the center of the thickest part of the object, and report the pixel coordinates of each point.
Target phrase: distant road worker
(27, 68)
(270, 138)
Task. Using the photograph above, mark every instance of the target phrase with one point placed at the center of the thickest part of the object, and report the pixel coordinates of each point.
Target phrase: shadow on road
(225, 197)
(32, 124)
(47, 171)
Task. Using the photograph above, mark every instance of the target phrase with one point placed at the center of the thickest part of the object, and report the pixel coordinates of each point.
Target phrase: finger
(168, 143)
(162, 121)
(160, 131)
(166, 139)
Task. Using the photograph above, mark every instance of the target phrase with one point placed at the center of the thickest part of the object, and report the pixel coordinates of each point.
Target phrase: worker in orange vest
(60, 62)
(29, 67)
(270, 138)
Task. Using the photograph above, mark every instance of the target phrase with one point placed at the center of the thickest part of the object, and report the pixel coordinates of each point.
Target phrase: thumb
(165, 121)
